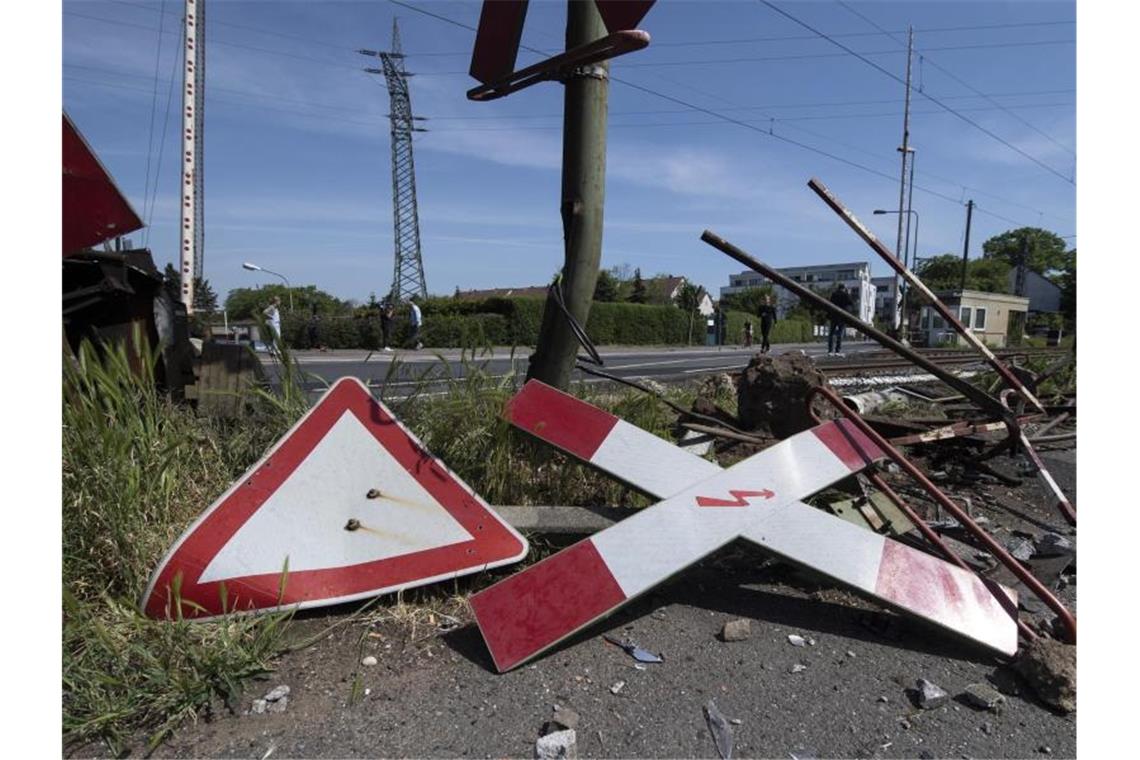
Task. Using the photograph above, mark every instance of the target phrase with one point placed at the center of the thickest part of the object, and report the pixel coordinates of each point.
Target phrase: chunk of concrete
(736, 630)
(982, 696)
(929, 695)
(560, 744)
(1050, 669)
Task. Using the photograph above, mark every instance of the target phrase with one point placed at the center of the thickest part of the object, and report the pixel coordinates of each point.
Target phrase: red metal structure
(500, 33)
(94, 210)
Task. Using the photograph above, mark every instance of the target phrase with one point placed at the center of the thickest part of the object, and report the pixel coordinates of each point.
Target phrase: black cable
(555, 291)
(932, 99)
(150, 133)
(960, 81)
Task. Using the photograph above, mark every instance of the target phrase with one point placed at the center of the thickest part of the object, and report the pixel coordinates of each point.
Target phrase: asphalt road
(401, 373)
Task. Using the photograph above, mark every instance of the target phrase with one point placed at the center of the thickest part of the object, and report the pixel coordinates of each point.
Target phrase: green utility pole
(583, 199)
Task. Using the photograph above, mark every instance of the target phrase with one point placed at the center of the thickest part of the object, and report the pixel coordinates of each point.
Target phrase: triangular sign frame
(323, 519)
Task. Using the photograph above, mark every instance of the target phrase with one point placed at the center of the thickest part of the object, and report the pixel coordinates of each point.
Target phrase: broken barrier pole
(992, 546)
(951, 318)
(1068, 511)
(973, 393)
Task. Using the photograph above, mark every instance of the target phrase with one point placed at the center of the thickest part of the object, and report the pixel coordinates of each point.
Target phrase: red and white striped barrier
(758, 499)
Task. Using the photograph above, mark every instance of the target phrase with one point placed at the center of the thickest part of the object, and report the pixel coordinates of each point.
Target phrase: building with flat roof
(997, 319)
(822, 278)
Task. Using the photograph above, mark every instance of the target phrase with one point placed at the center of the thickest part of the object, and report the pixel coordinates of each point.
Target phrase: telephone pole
(408, 272)
(966, 247)
(583, 197)
(192, 235)
(905, 150)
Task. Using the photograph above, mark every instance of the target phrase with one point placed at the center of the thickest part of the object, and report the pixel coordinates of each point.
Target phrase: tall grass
(138, 469)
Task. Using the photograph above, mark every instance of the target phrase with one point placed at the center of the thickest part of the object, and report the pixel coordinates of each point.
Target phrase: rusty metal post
(975, 394)
(951, 318)
(583, 200)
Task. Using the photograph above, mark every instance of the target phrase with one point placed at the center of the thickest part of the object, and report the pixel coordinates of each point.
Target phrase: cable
(929, 97)
(162, 143)
(150, 133)
(960, 81)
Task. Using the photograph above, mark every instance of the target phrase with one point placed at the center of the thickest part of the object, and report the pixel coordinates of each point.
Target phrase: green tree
(1068, 285)
(944, 272)
(689, 301)
(637, 291)
(244, 303)
(607, 287)
(1046, 249)
(748, 300)
(205, 299)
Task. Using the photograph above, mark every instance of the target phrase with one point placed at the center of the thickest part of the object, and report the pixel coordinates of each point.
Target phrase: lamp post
(906, 261)
(288, 288)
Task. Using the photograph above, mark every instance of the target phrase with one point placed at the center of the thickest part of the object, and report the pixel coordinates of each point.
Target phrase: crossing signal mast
(408, 276)
(192, 230)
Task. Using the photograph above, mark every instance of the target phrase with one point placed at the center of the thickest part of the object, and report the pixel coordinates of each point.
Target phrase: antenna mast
(192, 232)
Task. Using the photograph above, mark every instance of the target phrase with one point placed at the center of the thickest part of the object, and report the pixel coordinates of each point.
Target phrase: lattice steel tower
(408, 275)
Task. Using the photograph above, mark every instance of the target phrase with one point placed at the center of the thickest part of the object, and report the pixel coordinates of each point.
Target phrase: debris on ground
(799, 667)
(736, 630)
(1021, 548)
(276, 700)
(929, 695)
(1050, 669)
(617, 687)
(773, 391)
(797, 640)
(369, 661)
(720, 729)
(560, 744)
(1054, 545)
(634, 651)
(562, 718)
(982, 696)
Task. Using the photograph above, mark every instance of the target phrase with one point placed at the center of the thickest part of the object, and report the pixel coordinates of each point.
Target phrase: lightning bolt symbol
(740, 498)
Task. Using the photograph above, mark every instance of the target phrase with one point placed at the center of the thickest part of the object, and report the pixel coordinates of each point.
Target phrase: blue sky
(297, 152)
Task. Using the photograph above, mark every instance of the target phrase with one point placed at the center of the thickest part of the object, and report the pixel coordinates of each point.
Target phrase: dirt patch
(1050, 668)
(773, 392)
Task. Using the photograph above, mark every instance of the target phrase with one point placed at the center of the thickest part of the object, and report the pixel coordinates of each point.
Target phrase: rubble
(929, 695)
(982, 696)
(1054, 545)
(560, 744)
(368, 661)
(773, 391)
(736, 630)
(720, 729)
(1021, 548)
(796, 640)
(1050, 669)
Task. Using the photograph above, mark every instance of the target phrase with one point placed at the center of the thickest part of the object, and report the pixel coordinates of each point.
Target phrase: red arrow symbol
(740, 498)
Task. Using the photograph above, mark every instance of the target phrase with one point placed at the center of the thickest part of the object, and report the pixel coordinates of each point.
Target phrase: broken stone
(1021, 548)
(1054, 545)
(560, 744)
(772, 393)
(564, 717)
(736, 630)
(721, 730)
(258, 707)
(617, 687)
(1050, 668)
(982, 696)
(799, 667)
(278, 705)
(796, 640)
(929, 695)
(277, 693)
(368, 661)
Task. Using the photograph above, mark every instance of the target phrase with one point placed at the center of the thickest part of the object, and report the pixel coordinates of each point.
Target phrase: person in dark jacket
(767, 314)
(841, 298)
(387, 314)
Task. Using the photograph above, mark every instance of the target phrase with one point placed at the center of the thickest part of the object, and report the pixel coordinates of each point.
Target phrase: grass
(138, 469)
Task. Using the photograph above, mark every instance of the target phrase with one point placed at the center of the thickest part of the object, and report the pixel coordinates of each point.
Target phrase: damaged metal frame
(997, 550)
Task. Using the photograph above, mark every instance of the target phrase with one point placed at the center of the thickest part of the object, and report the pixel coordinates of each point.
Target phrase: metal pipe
(967, 522)
(1068, 511)
(978, 396)
(951, 319)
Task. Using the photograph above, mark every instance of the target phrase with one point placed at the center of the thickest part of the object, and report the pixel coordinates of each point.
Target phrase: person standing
(313, 328)
(767, 319)
(272, 314)
(417, 321)
(387, 314)
(841, 298)
(747, 334)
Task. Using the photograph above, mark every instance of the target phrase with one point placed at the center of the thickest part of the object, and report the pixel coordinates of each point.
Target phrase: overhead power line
(959, 80)
(926, 95)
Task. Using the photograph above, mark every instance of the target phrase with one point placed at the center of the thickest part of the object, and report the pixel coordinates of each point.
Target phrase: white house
(822, 278)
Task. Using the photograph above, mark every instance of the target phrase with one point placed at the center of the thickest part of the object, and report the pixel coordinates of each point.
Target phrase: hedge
(516, 322)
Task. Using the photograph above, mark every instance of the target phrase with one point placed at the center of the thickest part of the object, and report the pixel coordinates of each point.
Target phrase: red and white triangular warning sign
(347, 505)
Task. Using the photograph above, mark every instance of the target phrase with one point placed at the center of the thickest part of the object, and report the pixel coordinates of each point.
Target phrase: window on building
(966, 316)
(937, 322)
(845, 274)
(979, 319)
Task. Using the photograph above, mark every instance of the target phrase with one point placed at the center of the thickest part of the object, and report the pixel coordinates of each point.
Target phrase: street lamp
(907, 258)
(255, 268)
